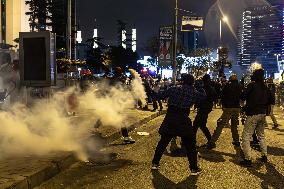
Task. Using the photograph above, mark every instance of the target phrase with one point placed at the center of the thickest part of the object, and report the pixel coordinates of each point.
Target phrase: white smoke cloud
(44, 127)
(137, 87)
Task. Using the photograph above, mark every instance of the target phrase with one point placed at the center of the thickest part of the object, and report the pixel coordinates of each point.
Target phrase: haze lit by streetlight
(225, 19)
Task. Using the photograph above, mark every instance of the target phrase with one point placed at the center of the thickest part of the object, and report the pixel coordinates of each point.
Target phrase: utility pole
(75, 24)
(69, 30)
(175, 44)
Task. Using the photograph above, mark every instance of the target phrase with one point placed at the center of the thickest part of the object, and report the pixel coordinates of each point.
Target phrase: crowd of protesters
(251, 102)
(255, 99)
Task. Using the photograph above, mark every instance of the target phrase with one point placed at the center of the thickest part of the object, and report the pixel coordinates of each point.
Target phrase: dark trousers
(156, 100)
(200, 121)
(124, 131)
(188, 141)
(155, 104)
(254, 138)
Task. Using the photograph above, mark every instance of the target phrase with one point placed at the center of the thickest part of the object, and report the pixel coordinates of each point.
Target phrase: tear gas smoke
(44, 127)
(137, 87)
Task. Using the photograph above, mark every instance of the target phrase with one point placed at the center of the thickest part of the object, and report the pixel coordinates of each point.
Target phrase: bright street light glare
(225, 19)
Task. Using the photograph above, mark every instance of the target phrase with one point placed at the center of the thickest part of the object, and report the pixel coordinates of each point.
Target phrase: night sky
(148, 15)
(144, 15)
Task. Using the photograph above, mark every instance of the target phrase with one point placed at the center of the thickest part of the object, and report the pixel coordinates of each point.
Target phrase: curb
(55, 167)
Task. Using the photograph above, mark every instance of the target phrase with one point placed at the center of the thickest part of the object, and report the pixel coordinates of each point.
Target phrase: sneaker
(155, 167)
(128, 140)
(198, 155)
(246, 163)
(196, 171)
(263, 159)
(275, 126)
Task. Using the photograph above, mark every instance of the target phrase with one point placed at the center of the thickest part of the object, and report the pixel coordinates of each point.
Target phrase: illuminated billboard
(166, 45)
(191, 23)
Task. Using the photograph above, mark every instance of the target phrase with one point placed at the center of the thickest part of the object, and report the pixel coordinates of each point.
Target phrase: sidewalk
(29, 171)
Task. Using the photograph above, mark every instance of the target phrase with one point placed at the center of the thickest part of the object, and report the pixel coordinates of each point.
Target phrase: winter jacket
(230, 95)
(177, 122)
(258, 97)
(211, 96)
(272, 88)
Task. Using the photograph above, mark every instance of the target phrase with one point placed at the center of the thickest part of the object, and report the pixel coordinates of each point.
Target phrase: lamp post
(224, 19)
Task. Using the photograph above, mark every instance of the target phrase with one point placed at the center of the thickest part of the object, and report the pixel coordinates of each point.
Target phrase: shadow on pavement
(83, 171)
(275, 151)
(162, 182)
(277, 129)
(119, 144)
(271, 179)
(212, 156)
(217, 156)
(179, 152)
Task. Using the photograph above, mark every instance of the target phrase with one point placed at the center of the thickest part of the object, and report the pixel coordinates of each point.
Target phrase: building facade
(13, 20)
(189, 40)
(261, 37)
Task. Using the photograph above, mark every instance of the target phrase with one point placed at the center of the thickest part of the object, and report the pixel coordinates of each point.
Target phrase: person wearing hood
(258, 98)
(230, 98)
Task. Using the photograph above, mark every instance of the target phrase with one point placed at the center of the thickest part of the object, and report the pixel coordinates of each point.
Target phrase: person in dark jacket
(177, 122)
(230, 98)
(272, 88)
(205, 107)
(257, 97)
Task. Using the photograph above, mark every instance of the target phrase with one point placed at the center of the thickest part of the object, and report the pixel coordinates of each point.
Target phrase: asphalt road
(132, 166)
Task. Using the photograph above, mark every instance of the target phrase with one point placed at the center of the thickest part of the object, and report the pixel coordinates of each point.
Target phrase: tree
(200, 61)
(124, 58)
(52, 13)
(152, 47)
(58, 21)
(38, 13)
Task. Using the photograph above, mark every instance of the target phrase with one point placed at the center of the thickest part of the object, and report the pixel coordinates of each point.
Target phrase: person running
(177, 122)
(272, 89)
(257, 97)
(205, 107)
(155, 97)
(230, 98)
(120, 78)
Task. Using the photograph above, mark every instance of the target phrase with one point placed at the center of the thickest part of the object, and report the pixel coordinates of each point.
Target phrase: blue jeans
(258, 123)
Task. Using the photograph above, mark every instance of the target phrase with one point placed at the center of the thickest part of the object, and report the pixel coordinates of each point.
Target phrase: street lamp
(277, 59)
(225, 20)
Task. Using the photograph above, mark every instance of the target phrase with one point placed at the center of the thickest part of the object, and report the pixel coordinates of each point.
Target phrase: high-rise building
(261, 36)
(189, 40)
